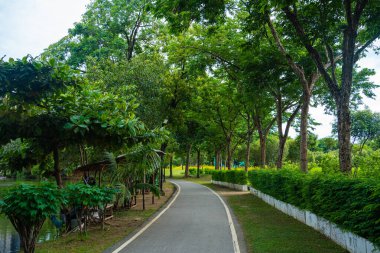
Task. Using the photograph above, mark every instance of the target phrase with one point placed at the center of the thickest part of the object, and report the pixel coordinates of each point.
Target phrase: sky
(30, 26)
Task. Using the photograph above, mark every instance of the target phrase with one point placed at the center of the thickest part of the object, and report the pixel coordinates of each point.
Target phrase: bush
(82, 198)
(193, 171)
(208, 171)
(353, 204)
(27, 207)
(230, 176)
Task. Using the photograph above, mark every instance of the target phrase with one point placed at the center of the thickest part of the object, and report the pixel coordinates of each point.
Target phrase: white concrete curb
(237, 187)
(352, 242)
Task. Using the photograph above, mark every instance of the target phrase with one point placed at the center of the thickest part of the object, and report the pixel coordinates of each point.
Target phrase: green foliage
(83, 198)
(28, 206)
(367, 163)
(365, 125)
(32, 203)
(42, 78)
(351, 203)
(193, 171)
(329, 162)
(327, 144)
(153, 188)
(82, 195)
(230, 176)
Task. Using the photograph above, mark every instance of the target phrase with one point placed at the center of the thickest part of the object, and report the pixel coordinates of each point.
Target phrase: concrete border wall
(237, 187)
(352, 242)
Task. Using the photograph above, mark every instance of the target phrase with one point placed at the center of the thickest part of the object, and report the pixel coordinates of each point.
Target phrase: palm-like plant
(131, 170)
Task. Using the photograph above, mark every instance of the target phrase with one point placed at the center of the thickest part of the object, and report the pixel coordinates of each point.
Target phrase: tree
(327, 144)
(81, 114)
(365, 126)
(109, 29)
(27, 207)
(319, 28)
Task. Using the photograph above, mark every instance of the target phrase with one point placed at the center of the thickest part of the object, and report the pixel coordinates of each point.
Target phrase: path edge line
(235, 240)
(129, 241)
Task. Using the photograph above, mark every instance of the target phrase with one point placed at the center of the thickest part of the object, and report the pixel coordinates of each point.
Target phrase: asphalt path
(196, 222)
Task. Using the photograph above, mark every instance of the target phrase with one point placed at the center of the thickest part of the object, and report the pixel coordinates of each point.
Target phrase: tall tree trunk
(171, 166)
(153, 183)
(198, 161)
(229, 154)
(188, 160)
(57, 169)
(248, 152)
(263, 150)
(280, 154)
(303, 131)
(281, 139)
(283, 135)
(162, 156)
(344, 137)
(143, 191)
(218, 160)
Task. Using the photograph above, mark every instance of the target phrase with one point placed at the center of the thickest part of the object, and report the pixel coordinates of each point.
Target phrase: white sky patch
(30, 26)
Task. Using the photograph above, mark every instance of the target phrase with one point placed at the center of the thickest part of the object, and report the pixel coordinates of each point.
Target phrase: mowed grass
(267, 230)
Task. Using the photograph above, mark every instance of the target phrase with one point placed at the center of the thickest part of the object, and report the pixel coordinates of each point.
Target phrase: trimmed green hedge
(230, 176)
(353, 204)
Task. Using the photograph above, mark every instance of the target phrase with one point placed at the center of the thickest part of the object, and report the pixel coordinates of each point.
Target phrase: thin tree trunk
(280, 154)
(143, 191)
(188, 160)
(281, 139)
(263, 150)
(171, 166)
(162, 155)
(57, 170)
(303, 131)
(229, 154)
(198, 161)
(153, 183)
(248, 152)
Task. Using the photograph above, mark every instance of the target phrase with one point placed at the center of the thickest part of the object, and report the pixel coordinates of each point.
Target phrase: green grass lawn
(267, 230)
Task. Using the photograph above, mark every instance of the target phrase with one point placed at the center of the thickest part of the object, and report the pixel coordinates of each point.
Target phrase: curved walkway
(197, 221)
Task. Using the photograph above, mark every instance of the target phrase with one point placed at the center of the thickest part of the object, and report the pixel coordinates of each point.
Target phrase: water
(9, 239)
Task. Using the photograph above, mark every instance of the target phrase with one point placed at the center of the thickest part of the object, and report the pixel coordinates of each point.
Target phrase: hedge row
(353, 204)
(193, 171)
(230, 176)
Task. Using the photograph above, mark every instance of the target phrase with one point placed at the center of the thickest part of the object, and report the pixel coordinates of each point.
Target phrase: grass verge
(268, 230)
(98, 240)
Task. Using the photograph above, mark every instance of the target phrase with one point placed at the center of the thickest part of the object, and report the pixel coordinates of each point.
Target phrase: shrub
(353, 204)
(27, 207)
(208, 171)
(82, 198)
(193, 171)
(230, 176)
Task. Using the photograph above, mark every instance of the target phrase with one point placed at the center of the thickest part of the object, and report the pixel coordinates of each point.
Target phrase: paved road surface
(195, 223)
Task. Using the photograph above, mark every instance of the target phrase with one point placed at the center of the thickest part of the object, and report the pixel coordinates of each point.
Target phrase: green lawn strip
(98, 240)
(268, 230)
